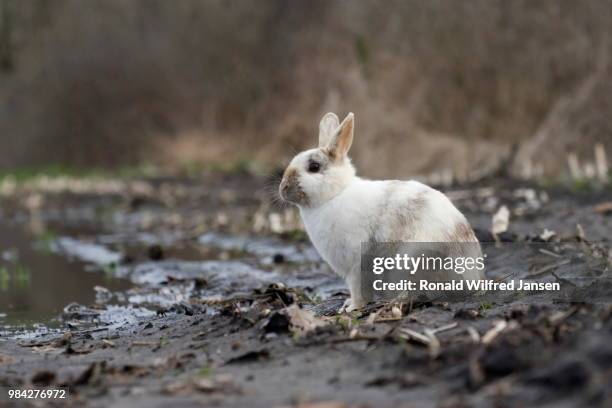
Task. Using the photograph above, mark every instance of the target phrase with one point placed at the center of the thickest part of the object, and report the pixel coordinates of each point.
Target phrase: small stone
(155, 253)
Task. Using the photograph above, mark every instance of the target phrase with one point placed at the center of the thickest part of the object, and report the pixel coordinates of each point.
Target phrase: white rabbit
(341, 211)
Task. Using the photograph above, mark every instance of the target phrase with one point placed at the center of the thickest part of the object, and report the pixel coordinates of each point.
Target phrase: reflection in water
(16, 274)
(35, 284)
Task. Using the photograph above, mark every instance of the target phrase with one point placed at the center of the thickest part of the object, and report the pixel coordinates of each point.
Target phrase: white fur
(343, 211)
(320, 188)
(327, 127)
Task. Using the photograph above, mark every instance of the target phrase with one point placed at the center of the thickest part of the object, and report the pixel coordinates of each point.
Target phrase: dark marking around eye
(314, 167)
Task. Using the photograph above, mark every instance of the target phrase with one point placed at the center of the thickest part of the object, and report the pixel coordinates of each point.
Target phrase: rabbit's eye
(314, 167)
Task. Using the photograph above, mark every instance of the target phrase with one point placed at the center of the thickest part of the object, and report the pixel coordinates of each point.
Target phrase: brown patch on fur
(463, 233)
(404, 217)
(345, 139)
(341, 143)
(290, 175)
(291, 189)
(330, 154)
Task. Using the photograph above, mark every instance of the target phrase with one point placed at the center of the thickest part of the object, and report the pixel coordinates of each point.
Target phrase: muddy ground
(214, 297)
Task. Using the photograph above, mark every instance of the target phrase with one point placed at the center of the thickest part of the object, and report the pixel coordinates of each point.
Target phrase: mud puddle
(110, 280)
(37, 282)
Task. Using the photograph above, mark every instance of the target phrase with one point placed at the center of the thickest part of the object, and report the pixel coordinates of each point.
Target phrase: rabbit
(340, 211)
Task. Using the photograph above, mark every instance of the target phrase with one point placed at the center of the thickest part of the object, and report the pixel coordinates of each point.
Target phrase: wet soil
(36, 282)
(204, 293)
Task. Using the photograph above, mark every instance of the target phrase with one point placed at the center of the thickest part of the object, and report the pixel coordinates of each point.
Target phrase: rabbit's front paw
(349, 306)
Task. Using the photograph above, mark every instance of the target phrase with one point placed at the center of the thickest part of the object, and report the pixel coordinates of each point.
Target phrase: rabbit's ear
(327, 128)
(340, 144)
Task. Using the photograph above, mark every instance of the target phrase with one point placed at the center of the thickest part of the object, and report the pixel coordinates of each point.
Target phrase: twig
(562, 280)
(108, 343)
(547, 268)
(434, 343)
(429, 339)
(415, 335)
(444, 328)
(388, 319)
(473, 334)
(144, 343)
(550, 253)
(559, 317)
(498, 327)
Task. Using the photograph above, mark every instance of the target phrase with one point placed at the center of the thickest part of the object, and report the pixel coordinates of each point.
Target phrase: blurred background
(464, 89)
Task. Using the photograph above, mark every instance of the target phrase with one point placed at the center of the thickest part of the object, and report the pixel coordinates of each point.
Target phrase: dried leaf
(547, 234)
(219, 383)
(604, 208)
(396, 312)
(498, 327)
(580, 232)
(501, 220)
(303, 321)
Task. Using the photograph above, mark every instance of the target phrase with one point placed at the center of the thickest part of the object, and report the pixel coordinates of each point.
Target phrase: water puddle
(49, 281)
(37, 282)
